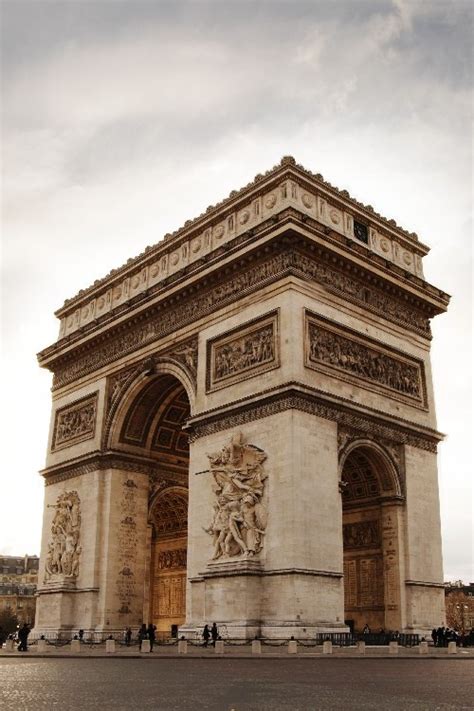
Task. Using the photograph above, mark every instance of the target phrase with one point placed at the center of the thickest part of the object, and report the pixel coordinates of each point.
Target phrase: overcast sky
(121, 120)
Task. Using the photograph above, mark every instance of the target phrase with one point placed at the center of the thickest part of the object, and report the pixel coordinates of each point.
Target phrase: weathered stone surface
(243, 430)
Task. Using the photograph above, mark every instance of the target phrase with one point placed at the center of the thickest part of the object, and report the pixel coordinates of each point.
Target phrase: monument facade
(243, 427)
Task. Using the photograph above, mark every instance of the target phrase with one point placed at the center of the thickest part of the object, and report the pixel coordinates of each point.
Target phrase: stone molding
(244, 352)
(237, 571)
(75, 422)
(286, 183)
(335, 273)
(292, 396)
(358, 359)
(99, 461)
(424, 584)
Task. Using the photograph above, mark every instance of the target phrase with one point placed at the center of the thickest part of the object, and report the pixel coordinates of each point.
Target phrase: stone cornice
(409, 308)
(99, 461)
(287, 166)
(298, 397)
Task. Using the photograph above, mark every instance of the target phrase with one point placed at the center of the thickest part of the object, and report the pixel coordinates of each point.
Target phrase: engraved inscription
(75, 423)
(126, 584)
(243, 352)
(333, 347)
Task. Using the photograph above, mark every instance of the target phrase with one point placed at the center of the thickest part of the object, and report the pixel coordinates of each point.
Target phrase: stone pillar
(423, 648)
(296, 578)
(182, 646)
(219, 648)
(145, 646)
(452, 649)
(393, 647)
(361, 647)
(10, 645)
(75, 646)
(292, 646)
(42, 646)
(256, 646)
(393, 555)
(327, 647)
(110, 646)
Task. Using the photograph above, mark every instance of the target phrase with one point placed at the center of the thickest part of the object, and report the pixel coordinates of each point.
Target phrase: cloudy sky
(123, 119)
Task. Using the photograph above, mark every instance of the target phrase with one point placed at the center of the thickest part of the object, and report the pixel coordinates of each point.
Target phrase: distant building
(18, 581)
(460, 605)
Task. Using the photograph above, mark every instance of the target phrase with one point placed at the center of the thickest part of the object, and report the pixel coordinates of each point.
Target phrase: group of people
(212, 633)
(21, 636)
(144, 632)
(441, 636)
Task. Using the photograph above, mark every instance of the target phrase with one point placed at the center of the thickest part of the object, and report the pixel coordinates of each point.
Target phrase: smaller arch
(147, 372)
(168, 511)
(366, 459)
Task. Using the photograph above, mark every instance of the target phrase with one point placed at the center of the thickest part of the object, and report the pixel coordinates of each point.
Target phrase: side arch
(137, 379)
(379, 461)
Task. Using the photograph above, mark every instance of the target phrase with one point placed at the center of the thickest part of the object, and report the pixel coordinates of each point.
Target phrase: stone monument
(243, 427)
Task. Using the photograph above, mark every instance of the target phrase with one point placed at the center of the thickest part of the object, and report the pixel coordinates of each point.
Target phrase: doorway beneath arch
(371, 543)
(151, 426)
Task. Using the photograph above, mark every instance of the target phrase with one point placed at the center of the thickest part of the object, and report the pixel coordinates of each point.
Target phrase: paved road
(236, 684)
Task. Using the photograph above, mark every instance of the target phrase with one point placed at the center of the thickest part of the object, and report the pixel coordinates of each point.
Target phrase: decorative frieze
(338, 351)
(75, 423)
(168, 317)
(172, 558)
(311, 402)
(244, 352)
(240, 517)
(64, 549)
(361, 534)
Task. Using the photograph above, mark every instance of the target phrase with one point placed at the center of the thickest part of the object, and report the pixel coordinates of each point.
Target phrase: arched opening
(370, 498)
(149, 425)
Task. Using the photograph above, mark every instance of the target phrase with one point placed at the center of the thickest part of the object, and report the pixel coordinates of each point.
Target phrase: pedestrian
(3, 636)
(366, 629)
(151, 635)
(128, 636)
(214, 634)
(434, 636)
(23, 633)
(440, 636)
(81, 635)
(141, 636)
(205, 635)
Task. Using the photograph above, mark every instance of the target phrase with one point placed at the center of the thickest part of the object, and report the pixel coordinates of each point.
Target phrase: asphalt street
(236, 684)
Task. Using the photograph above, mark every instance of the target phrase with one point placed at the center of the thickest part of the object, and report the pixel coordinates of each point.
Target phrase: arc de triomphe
(243, 427)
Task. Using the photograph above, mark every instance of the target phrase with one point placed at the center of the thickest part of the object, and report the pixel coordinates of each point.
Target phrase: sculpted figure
(64, 549)
(239, 519)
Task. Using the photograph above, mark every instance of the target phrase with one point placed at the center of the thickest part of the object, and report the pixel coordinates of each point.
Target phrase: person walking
(206, 635)
(151, 635)
(23, 633)
(141, 636)
(434, 636)
(214, 634)
(128, 636)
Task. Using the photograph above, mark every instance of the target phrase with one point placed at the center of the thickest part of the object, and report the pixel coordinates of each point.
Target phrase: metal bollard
(393, 647)
(256, 646)
(145, 646)
(219, 648)
(423, 648)
(292, 646)
(110, 646)
(327, 647)
(182, 646)
(452, 649)
(75, 645)
(361, 647)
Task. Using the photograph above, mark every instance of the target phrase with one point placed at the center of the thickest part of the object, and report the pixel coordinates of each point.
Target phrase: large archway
(371, 539)
(149, 425)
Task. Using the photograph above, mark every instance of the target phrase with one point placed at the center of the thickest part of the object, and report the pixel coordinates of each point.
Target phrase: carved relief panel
(240, 517)
(64, 549)
(243, 352)
(336, 350)
(75, 423)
